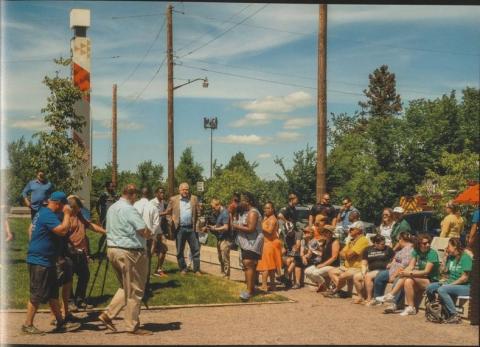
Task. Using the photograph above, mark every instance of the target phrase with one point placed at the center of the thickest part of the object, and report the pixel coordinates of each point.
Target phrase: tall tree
(238, 161)
(382, 98)
(149, 175)
(188, 170)
(62, 158)
(300, 178)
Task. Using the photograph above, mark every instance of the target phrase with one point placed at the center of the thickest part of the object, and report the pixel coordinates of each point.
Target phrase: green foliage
(301, 177)
(238, 161)
(55, 152)
(228, 182)
(457, 169)
(188, 170)
(149, 175)
(382, 98)
(21, 169)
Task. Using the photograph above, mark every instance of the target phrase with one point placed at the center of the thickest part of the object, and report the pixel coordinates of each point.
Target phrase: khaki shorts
(345, 272)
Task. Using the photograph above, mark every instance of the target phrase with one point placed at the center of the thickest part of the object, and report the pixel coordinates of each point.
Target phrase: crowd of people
(332, 250)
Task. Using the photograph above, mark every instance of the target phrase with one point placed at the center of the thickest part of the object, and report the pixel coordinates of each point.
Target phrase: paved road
(312, 319)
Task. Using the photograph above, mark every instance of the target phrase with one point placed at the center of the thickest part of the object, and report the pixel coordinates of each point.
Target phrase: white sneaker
(386, 298)
(408, 311)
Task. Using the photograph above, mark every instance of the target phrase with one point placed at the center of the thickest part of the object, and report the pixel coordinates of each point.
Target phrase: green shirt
(430, 257)
(398, 227)
(456, 269)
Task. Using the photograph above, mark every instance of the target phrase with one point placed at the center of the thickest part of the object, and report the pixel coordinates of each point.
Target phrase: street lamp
(210, 123)
(171, 88)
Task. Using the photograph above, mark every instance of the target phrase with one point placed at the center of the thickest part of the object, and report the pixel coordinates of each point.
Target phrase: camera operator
(220, 227)
(41, 260)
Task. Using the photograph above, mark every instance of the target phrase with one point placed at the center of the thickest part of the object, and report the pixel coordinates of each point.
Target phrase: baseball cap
(357, 225)
(398, 209)
(58, 196)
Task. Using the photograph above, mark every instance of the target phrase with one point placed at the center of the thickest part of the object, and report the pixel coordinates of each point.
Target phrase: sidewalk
(312, 319)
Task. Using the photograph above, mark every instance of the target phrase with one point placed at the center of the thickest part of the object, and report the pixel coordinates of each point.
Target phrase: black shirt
(290, 240)
(104, 202)
(328, 210)
(378, 259)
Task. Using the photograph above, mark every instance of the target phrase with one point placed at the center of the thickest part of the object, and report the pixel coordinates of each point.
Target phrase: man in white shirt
(151, 218)
(159, 246)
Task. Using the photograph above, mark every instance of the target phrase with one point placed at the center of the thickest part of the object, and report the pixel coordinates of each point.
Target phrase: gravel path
(312, 319)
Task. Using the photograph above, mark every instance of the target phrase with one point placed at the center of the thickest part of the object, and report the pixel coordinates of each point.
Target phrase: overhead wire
(146, 53)
(198, 38)
(265, 80)
(147, 85)
(425, 92)
(225, 31)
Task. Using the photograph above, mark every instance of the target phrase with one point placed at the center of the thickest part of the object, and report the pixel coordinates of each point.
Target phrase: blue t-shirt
(476, 216)
(40, 192)
(222, 219)
(42, 249)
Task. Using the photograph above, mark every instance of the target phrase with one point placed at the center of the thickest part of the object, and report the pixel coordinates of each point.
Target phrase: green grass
(172, 290)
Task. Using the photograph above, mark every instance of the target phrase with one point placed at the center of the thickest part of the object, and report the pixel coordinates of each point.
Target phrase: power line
(266, 80)
(50, 59)
(225, 31)
(363, 85)
(147, 85)
(198, 38)
(146, 53)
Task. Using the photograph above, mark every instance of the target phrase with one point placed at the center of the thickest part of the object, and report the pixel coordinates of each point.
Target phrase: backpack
(434, 311)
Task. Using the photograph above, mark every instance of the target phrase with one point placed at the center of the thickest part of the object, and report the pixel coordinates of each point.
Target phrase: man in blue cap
(41, 260)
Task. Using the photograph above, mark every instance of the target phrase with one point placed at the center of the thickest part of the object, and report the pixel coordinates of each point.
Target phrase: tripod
(103, 256)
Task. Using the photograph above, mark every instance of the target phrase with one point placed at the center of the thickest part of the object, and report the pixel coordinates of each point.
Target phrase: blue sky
(431, 49)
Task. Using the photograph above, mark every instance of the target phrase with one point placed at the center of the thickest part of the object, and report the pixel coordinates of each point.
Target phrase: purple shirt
(401, 259)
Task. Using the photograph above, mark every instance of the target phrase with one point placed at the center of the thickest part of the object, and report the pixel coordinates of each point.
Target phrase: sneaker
(32, 330)
(159, 273)
(107, 321)
(453, 319)
(408, 311)
(392, 309)
(245, 296)
(71, 318)
(386, 298)
(183, 272)
(64, 327)
(296, 286)
(343, 294)
(84, 306)
(373, 303)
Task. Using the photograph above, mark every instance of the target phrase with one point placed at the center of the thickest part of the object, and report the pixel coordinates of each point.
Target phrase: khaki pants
(131, 270)
(317, 275)
(223, 250)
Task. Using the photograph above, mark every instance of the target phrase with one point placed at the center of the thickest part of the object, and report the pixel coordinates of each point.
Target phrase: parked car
(424, 222)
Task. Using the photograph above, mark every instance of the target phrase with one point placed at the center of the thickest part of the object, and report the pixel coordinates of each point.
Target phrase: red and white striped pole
(80, 52)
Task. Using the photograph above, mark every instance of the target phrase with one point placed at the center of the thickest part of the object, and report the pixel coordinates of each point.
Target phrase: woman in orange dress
(271, 261)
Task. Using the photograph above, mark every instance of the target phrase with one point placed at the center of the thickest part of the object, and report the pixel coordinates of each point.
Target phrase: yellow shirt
(357, 247)
(452, 226)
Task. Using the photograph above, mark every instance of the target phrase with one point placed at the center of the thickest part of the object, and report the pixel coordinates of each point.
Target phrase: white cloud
(243, 139)
(286, 103)
(264, 155)
(400, 13)
(32, 124)
(130, 125)
(101, 135)
(255, 119)
(288, 136)
(297, 123)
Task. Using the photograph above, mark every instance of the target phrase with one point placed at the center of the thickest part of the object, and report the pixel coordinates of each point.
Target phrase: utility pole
(322, 103)
(114, 135)
(171, 159)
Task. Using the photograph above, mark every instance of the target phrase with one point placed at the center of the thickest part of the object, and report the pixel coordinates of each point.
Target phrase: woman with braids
(250, 240)
(458, 265)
